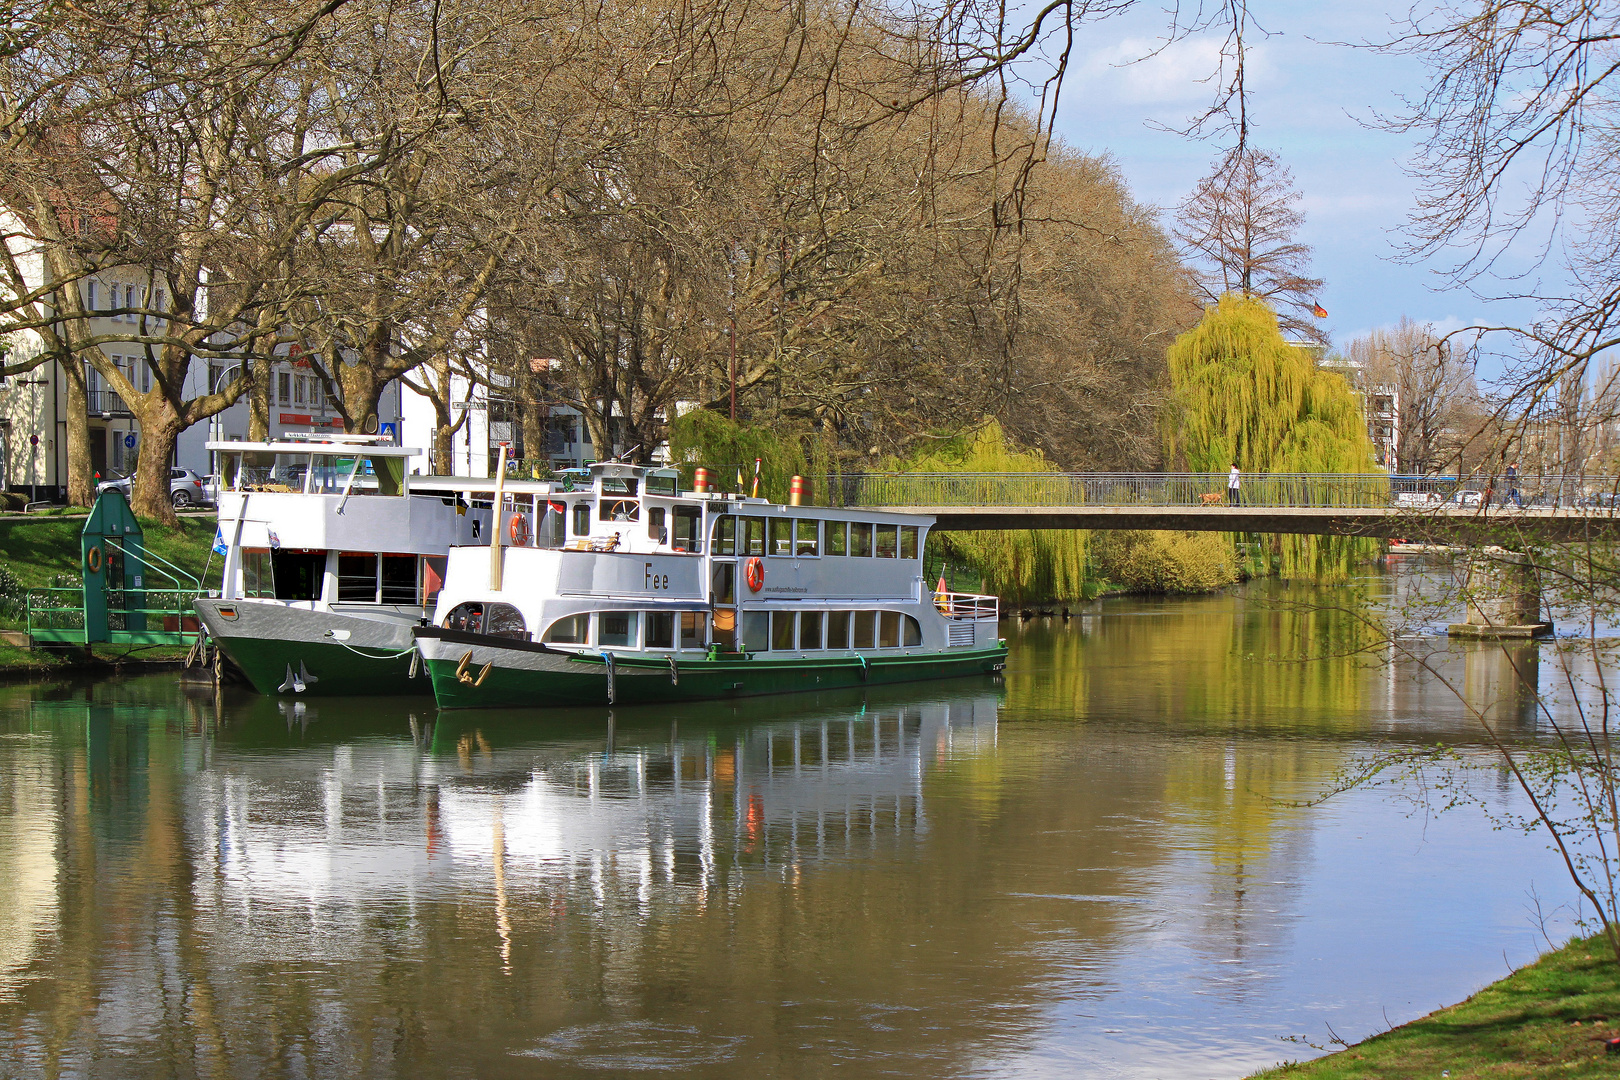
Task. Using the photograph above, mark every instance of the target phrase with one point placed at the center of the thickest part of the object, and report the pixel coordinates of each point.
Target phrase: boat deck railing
(967, 606)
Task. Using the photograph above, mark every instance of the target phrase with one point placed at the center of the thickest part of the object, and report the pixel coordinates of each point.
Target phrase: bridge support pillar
(1504, 599)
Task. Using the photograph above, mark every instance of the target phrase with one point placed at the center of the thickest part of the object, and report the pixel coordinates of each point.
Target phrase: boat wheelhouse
(628, 589)
(332, 554)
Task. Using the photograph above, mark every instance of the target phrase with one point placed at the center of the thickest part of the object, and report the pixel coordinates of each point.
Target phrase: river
(1106, 865)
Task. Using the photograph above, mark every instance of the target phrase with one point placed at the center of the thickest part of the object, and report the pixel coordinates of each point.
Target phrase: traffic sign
(33, 440)
(129, 440)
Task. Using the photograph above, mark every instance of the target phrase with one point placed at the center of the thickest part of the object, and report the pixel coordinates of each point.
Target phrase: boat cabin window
(865, 630)
(689, 530)
(888, 541)
(552, 530)
(837, 538)
(398, 579)
(756, 631)
(694, 629)
(660, 630)
(801, 631)
(357, 577)
(617, 628)
(467, 616)
(258, 578)
(616, 509)
(582, 519)
(751, 536)
(663, 484)
(618, 485)
(807, 537)
(838, 629)
(781, 536)
(298, 575)
(782, 630)
(810, 629)
(888, 629)
(568, 630)
(908, 541)
(504, 620)
(725, 535)
(655, 525)
(912, 631)
(860, 539)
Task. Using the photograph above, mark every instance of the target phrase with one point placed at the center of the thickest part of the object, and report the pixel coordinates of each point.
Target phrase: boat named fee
(631, 590)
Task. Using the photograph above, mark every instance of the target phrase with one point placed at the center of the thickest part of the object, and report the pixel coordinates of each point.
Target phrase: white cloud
(1183, 73)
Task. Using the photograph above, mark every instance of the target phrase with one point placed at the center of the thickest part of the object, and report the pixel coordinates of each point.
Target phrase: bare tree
(1436, 400)
(1240, 227)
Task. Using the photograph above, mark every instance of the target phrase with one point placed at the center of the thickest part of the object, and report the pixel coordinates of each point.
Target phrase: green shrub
(1165, 562)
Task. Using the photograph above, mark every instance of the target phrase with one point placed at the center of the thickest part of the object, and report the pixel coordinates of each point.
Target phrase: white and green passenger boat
(632, 590)
(332, 554)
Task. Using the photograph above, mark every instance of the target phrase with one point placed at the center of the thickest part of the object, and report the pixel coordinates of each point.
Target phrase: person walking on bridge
(1234, 479)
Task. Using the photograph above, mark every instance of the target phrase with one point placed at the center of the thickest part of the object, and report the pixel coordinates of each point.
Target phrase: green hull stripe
(700, 679)
(342, 671)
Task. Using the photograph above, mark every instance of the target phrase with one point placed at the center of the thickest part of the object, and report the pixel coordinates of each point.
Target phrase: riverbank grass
(1549, 1019)
(36, 550)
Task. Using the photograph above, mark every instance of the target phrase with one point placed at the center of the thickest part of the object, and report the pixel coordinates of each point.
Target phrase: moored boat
(332, 554)
(631, 590)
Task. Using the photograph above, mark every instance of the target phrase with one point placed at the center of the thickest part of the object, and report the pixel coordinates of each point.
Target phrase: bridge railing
(1206, 489)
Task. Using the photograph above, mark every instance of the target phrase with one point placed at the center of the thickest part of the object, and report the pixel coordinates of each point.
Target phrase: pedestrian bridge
(1466, 510)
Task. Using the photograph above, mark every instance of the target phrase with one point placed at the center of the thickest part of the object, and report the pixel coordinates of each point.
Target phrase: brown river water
(1104, 865)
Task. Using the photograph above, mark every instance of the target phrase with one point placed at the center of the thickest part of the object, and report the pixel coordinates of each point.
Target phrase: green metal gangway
(124, 599)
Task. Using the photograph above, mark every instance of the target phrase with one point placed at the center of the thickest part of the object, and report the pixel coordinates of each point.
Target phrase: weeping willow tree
(704, 437)
(1019, 565)
(1244, 395)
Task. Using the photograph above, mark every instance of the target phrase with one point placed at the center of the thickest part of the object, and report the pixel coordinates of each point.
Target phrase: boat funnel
(798, 491)
(700, 481)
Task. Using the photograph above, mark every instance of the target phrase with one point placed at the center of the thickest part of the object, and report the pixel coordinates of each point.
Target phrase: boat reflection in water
(637, 794)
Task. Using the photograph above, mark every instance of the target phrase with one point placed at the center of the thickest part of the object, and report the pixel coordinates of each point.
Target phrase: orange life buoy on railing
(519, 528)
(92, 560)
(754, 574)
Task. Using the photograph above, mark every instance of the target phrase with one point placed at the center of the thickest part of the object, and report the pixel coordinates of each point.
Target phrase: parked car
(185, 488)
(1466, 497)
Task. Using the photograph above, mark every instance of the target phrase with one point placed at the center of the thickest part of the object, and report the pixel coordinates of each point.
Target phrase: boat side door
(723, 583)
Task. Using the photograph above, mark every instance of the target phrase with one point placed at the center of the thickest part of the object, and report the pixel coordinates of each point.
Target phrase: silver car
(185, 488)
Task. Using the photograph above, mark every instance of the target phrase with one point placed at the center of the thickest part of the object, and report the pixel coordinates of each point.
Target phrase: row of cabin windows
(762, 631)
(808, 537)
(362, 577)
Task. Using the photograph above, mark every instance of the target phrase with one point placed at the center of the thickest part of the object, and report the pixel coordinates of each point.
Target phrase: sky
(1312, 102)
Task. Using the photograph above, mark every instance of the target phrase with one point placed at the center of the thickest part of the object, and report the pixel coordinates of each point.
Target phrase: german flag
(1318, 310)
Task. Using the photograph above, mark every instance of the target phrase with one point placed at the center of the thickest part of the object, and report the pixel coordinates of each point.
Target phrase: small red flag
(1318, 310)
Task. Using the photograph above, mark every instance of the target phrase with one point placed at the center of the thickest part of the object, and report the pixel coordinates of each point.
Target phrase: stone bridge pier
(1503, 593)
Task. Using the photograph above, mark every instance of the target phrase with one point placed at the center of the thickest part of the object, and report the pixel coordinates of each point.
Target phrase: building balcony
(105, 403)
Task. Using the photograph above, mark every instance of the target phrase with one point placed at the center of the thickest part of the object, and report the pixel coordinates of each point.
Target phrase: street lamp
(216, 425)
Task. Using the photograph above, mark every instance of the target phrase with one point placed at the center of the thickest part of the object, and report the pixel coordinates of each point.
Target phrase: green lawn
(37, 550)
(1550, 1019)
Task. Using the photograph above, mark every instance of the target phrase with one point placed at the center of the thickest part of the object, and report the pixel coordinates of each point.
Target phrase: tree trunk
(443, 447)
(149, 488)
(258, 396)
(81, 490)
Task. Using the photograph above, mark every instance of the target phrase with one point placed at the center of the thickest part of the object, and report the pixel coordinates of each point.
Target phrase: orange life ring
(754, 574)
(519, 528)
(92, 560)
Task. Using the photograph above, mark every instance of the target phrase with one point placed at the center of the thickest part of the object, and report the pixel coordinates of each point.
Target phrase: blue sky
(1313, 103)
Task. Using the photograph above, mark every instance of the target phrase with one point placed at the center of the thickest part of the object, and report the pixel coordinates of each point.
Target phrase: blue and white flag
(219, 542)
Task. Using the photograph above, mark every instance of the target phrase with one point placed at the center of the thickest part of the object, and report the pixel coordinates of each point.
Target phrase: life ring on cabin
(754, 574)
(519, 528)
(92, 560)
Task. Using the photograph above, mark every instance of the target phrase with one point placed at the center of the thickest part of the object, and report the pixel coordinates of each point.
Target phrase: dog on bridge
(1211, 498)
